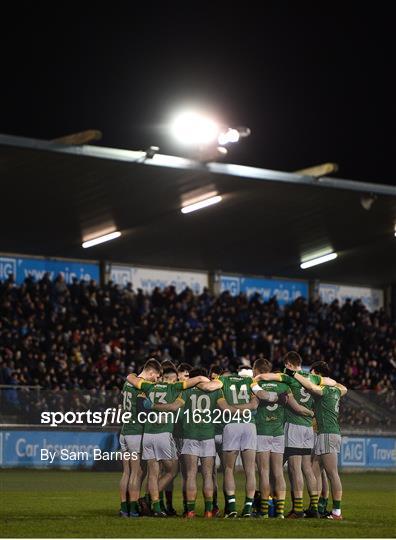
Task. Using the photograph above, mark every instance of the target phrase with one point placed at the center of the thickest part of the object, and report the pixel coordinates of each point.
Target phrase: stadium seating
(77, 342)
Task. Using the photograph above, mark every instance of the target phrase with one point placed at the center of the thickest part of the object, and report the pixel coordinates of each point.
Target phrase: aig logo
(7, 267)
(121, 275)
(353, 451)
(230, 284)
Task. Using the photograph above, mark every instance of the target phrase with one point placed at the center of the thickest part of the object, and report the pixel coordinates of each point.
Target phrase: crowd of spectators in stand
(82, 339)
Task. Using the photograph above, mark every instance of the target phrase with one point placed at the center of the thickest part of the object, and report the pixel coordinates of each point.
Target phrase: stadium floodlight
(318, 260)
(196, 129)
(193, 128)
(101, 239)
(200, 204)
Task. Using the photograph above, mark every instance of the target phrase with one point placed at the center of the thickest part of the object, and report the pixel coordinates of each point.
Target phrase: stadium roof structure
(54, 195)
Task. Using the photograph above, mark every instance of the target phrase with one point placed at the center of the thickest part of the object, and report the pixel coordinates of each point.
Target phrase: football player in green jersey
(270, 436)
(239, 437)
(131, 441)
(199, 443)
(299, 436)
(159, 449)
(328, 444)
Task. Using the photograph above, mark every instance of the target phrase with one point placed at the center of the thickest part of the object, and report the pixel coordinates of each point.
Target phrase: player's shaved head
(293, 359)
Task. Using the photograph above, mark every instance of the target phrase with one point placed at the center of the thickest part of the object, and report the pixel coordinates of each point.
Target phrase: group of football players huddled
(185, 419)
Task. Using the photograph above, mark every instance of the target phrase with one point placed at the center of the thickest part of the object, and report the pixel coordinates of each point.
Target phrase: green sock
(264, 506)
(230, 503)
(313, 504)
(280, 507)
(337, 505)
(208, 505)
(134, 507)
(161, 499)
(322, 505)
(184, 501)
(124, 507)
(247, 508)
(298, 504)
(156, 506)
(190, 506)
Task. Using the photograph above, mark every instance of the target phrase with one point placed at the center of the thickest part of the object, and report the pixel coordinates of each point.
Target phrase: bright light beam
(201, 204)
(318, 260)
(101, 239)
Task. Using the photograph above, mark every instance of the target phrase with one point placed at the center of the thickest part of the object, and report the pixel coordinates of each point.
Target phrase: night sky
(312, 80)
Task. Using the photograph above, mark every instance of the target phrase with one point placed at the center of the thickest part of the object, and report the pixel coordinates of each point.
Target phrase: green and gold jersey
(129, 396)
(302, 396)
(326, 408)
(270, 417)
(198, 413)
(236, 391)
(162, 393)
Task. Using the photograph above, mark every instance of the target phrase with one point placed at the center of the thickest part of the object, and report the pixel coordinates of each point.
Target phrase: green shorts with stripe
(327, 443)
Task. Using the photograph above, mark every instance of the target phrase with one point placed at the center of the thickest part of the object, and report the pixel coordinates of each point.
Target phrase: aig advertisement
(149, 278)
(370, 452)
(23, 267)
(284, 290)
(373, 299)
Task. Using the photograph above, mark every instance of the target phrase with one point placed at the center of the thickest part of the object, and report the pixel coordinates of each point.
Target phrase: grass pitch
(85, 504)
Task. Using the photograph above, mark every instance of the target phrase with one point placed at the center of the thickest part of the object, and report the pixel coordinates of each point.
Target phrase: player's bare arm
(269, 377)
(296, 407)
(210, 386)
(328, 381)
(309, 385)
(134, 380)
(189, 383)
(343, 389)
(264, 395)
(249, 406)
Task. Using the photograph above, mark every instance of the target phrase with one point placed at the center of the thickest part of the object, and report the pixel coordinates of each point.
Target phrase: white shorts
(328, 443)
(205, 448)
(158, 446)
(131, 443)
(267, 443)
(299, 436)
(239, 437)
